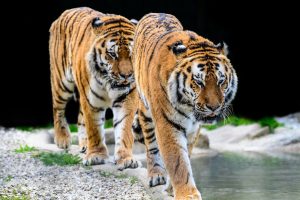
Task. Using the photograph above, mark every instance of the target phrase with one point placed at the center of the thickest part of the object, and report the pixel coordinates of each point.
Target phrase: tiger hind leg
(82, 136)
(62, 91)
(143, 129)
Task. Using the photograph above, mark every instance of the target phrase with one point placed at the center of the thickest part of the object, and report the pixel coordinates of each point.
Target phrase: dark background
(262, 39)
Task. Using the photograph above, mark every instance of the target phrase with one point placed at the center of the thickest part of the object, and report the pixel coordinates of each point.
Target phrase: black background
(263, 42)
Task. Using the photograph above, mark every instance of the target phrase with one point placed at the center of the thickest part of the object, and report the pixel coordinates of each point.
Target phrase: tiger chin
(91, 52)
(183, 81)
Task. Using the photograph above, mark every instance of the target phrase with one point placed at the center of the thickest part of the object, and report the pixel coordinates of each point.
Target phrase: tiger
(90, 52)
(183, 81)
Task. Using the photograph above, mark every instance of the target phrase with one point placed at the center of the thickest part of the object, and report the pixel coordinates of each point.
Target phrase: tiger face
(112, 50)
(204, 81)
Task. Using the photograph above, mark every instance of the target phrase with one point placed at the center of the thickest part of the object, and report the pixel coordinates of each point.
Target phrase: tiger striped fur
(183, 81)
(91, 51)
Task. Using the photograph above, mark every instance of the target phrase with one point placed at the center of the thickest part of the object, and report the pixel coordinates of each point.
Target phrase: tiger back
(91, 52)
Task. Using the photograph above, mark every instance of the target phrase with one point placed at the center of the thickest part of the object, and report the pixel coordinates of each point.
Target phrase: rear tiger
(91, 51)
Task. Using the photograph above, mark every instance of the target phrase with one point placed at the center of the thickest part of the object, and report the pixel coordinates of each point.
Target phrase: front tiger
(183, 81)
(91, 51)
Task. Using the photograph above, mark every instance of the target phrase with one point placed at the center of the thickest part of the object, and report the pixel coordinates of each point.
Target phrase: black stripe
(66, 89)
(174, 124)
(148, 130)
(150, 136)
(177, 165)
(122, 97)
(178, 94)
(119, 121)
(187, 178)
(145, 118)
(96, 95)
(153, 150)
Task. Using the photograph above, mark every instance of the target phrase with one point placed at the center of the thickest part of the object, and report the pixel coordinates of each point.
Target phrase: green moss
(8, 178)
(133, 180)
(24, 149)
(73, 128)
(106, 174)
(108, 123)
(14, 195)
(121, 176)
(270, 122)
(32, 128)
(238, 121)
(60, 159)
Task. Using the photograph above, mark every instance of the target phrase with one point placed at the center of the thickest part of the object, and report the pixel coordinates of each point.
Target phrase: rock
(203, 142)
(259, 133)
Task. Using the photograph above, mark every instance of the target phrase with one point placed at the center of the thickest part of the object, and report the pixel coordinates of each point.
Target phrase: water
(232, 176)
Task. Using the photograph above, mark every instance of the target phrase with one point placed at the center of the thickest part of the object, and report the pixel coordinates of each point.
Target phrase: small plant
(270, 122)
(24, 149)
(238, 121)
(121, 176)
(32, 128)
(133, 180)
(8, 178)
(106, 174)
(73, 128)
(14, 195)
(60, 159)
(108, 123)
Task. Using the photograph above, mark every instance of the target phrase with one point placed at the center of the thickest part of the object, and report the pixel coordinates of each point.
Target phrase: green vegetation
(73, 127)
(108, 123)
(8, 178)
(270, 122)
(121, 176)
(238, 121)
(60, 159)
(133, 180)
(24, 149)
(14, 195)
(106, 174)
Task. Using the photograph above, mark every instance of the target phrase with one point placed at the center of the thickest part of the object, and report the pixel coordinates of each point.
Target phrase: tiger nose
(126, 76)
(212, 107)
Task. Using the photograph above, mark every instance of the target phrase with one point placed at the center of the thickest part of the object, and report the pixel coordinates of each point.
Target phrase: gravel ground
(22, 175)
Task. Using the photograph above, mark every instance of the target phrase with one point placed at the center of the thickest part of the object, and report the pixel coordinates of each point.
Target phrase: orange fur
(183, 80)
(91, 51)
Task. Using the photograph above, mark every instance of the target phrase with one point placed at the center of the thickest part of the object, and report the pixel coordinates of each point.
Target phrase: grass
(108, 123)
(121, 176)
(8, 178)
(106, 174)
(24, 149)
(60, 159)
(238, 121)
(73, 127)
(270, 122)
(14, 195)
(133, 180)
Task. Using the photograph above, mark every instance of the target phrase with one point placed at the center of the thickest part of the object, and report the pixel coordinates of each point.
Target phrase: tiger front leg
(97, 152)
(144, 130)
(123, 110)
(172, 144)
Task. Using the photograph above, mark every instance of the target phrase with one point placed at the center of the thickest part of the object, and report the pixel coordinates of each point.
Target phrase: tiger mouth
(208, 119)
(120, 85)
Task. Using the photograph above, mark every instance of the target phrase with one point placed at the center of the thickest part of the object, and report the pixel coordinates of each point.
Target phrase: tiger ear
(96, 22)
(223, 48)
(134, 21)
(178, 48)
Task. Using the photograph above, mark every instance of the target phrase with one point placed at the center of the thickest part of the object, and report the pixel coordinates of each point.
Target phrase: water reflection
(232, 176)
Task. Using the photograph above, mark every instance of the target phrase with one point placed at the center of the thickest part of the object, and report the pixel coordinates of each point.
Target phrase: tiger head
(112, 49)
(204, 82)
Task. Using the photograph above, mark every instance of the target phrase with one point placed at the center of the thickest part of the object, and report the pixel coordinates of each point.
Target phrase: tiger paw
(192, 194)
(127, 162)
(124, 159)
(95, 158)
(157, 179)
(62, 139)
(82, 144)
